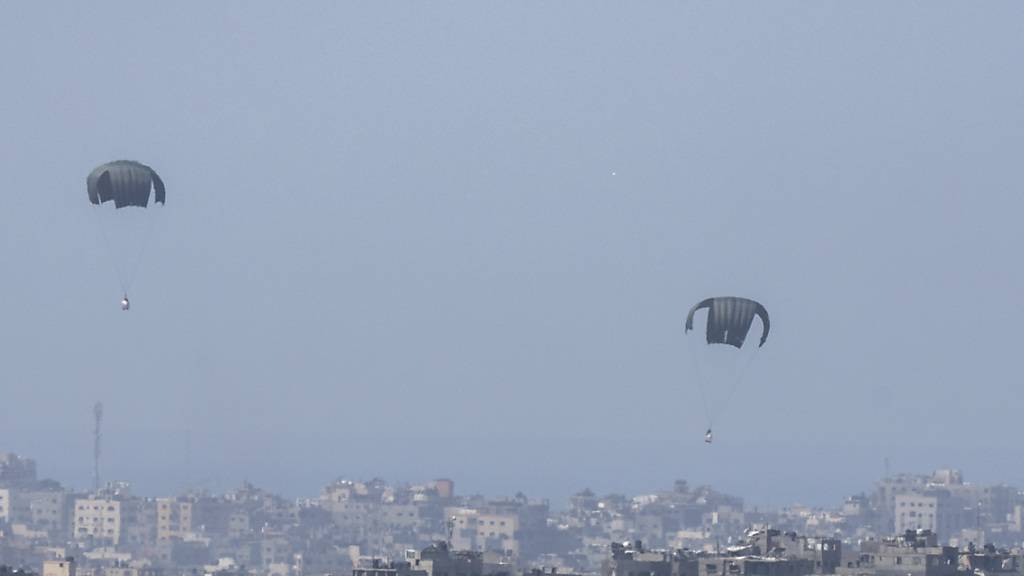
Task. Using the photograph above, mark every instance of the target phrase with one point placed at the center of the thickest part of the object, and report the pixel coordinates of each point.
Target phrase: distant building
(98, 519)
(483, 530)
(754, 566)
(445, 488)
(824, 554)
(434, 560)
(988, 561)
(44, 509)
(497, 532)
(917, 512)
(632, 559)
(274, 550)
(16, 471)
(438, 560)
(128, 569)
(62, 567)
(399, 517)
(218, 517)
(378, 567)
(173, 518)
(915, 553)
(942, 503)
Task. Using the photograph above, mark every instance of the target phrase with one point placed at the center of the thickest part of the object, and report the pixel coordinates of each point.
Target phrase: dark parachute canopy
(126, 199)
(126, 182)
(729, 320)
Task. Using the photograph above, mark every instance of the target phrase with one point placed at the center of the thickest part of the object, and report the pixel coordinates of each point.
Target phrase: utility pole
(97, 412)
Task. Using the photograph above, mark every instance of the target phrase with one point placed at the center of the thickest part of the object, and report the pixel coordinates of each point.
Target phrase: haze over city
(460, 240)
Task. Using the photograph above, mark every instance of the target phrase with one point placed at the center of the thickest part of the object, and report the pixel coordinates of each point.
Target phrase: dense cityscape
(934, 524)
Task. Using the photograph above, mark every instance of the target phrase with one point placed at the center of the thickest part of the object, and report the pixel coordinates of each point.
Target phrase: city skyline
(379, 528)
(557, 501)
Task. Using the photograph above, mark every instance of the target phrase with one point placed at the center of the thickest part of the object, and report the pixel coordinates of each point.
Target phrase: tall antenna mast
(97, 412)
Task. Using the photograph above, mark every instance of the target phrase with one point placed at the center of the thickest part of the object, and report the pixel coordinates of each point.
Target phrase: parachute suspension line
(126, 271)
(108, 250)
(699, 374)
(734, 385)
(133, 265)
(729, 320)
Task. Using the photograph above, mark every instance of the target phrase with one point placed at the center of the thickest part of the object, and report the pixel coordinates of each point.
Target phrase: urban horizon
(351, 523)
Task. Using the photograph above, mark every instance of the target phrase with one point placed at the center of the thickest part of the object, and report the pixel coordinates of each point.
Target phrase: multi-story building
(825, 554)
(479, 530)
(918, 512)
(631, 559)
(97, 519)
(497, 532)
(173, 518)
(439, 560)
(942, 503)
(274, 549)
(42, 509)
(915, 553)
(138, 522)
(400, 517)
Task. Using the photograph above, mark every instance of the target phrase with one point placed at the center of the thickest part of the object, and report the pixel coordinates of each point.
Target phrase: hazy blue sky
(394, 244)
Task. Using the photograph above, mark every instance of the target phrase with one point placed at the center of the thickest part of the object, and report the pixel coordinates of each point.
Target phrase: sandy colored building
(62, 567)
(99, 519)
(173, 518)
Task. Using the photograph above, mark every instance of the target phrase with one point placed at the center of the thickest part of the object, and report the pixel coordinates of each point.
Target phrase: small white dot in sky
(613, 173)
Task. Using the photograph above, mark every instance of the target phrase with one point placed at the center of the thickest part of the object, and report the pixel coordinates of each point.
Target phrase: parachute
(729, 320)
(127, 197)
(126, 183)
(722, 364)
